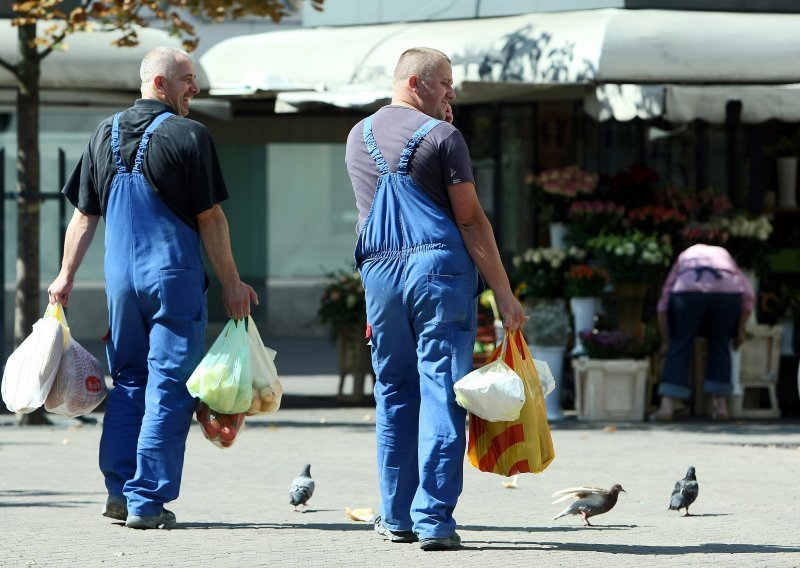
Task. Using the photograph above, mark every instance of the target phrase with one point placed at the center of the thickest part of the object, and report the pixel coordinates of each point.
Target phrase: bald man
(423, 239)
(154, 176)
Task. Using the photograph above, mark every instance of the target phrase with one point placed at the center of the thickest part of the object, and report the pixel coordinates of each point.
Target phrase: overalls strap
(115, 145)
(411, 145)
(372, 147)
(137, 165)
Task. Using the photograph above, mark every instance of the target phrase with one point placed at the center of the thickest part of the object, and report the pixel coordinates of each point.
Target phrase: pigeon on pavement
(302, 488)
(588, 501)
(685, 492)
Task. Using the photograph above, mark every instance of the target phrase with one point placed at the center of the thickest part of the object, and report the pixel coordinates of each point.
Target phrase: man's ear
(158, 82)
(413, 82)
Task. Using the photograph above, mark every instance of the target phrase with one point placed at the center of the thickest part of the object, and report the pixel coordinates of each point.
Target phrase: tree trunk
(26, 301)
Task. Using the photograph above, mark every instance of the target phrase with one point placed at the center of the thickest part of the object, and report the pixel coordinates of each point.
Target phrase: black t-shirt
(180, 163)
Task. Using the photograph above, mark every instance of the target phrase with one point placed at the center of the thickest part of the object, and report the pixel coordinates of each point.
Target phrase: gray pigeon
(588, 501)
(302, 488)
(685, 492)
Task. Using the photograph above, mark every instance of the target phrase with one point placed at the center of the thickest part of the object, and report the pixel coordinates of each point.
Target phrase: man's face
(179, 89)
(437, 91)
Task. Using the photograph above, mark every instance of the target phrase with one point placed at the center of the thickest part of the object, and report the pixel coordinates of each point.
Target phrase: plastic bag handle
(57, 311)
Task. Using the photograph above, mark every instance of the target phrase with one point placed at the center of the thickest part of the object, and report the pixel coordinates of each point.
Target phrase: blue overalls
(421, 290)
(156, 291)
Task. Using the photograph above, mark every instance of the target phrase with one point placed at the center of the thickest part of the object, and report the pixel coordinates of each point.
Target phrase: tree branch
(13, 69)
(60, 37)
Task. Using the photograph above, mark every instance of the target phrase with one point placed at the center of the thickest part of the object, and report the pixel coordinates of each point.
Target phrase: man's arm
(479, 240)
(77, 240)
(214, 233)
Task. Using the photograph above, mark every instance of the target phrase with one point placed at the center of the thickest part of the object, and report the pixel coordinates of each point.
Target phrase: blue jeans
(692, 314)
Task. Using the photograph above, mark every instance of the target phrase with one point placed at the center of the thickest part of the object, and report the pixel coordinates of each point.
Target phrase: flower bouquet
(557, 188)
(656, 219)
(631, 257)
(590, 217)
(583, 280)
(747, 238)
(539, 272)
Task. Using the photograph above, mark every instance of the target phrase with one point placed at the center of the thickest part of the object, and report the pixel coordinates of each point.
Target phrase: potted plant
(584, 284)
(554, 191)
(785, 152)
(343, 309)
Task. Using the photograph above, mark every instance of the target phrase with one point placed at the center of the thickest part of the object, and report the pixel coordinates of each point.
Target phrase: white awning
(618, 59)
(89, 63)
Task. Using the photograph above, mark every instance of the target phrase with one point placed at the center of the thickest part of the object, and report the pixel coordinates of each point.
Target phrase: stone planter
(610, 389)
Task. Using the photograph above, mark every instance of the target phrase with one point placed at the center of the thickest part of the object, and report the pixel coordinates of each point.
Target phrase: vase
(554, 357)
(583, 310)
(558, 233)
(355, 359)
(629, 304)
(787, 337)
(787, 181)
(610, 389)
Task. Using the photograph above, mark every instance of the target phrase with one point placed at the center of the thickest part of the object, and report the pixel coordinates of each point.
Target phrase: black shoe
(166, 520)
(394, 536)
(116, 508)
(452, 542)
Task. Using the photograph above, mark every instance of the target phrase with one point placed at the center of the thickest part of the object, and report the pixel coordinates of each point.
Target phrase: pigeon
(588, 501)
(302, 488)
(685, 492)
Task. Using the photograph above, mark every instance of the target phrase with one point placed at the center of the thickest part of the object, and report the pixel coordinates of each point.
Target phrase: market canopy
(624, 63)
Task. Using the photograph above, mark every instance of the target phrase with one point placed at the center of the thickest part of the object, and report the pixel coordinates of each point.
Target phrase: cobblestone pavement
(234, 508)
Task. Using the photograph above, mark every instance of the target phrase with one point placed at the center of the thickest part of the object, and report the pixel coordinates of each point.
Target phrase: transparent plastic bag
(79, 386)
(32, 367)
(223, 379)
(494, 391)
(545, 376)
(267, 389)
(220, 429)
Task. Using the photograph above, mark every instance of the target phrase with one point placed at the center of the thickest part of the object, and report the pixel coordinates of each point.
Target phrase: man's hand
(237, 297)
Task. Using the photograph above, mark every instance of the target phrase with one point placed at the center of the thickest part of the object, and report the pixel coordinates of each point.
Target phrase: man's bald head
(420, 61)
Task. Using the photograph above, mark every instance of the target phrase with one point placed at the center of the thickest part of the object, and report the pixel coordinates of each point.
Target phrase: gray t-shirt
(441, 159)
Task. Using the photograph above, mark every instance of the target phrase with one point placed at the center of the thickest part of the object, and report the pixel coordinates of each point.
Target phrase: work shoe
(451, 542)
(116, 508)
(394, 536)
(166, 520)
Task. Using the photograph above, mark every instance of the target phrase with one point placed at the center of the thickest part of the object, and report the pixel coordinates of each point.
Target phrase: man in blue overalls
(155, 178)
(421, 234)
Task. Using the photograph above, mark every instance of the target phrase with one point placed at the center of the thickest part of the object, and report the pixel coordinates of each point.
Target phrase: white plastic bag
(31, 368)
(267, 389)
(545, 376)
(80, 383)
(494, 392)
